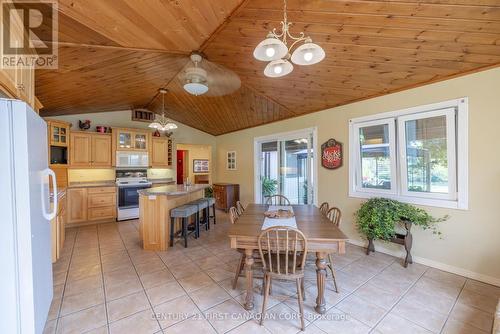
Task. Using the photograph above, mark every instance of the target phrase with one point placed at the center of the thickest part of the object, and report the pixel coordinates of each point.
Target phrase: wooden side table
(402, 239)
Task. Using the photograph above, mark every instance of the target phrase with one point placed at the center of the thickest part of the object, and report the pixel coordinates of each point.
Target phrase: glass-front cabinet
(59, 133)
(131, 140)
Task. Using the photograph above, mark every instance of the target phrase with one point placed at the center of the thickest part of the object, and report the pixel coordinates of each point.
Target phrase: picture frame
(231, 160)
(201, 166)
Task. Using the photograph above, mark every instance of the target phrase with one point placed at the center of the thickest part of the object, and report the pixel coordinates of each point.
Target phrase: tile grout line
(451, 309)
(140, 281)
(102, 277)
(66, 280)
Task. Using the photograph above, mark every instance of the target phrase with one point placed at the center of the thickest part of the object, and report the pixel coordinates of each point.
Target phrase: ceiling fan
(203, 77)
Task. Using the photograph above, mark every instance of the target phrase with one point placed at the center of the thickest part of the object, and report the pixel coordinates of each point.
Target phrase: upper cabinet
(161, 152)
(90, 149)
(131, 139)
(58, 133)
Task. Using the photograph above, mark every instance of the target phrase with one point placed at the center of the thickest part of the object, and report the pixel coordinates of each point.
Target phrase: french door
(285, 165)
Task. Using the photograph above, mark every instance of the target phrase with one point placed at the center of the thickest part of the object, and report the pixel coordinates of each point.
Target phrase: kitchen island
(154, 211)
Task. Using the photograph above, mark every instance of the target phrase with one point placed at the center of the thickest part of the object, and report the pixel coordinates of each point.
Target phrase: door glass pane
(125, 140)
(63, 131)
(294, 170)
(269, 169)
(140, 142)
(63, 139)
(375, 157)
(426, 155)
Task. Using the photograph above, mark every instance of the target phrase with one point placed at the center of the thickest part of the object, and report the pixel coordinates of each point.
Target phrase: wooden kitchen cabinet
(58, 225)
(226, 195)
(91, 204)
(101, 150)
(131, 139)
(58, 133)
(90, 149)
(160, 152)
(77, 205)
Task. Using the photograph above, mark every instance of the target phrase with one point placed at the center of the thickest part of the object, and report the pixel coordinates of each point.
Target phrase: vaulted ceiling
(114, 55)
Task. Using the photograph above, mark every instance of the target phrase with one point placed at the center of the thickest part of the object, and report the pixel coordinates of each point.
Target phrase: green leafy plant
(377, 218)
(269, 186)
(209, 192)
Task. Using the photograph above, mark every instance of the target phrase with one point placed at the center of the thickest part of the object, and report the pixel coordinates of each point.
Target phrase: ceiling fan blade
(221, 80)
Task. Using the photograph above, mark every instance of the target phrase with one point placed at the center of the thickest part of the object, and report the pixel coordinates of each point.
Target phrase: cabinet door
(76, 205)
(58, 135)
(101, 150)
(124, 140)
(80, 149)
(159, 152)
(140, 141)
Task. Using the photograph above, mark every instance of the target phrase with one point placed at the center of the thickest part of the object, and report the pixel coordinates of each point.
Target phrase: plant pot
(371, 246)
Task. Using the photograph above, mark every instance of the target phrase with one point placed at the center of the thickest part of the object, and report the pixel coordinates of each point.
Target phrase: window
(231, 160)
(417, 155)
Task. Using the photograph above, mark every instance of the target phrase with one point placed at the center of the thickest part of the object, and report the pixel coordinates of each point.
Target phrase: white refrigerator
(25, 212)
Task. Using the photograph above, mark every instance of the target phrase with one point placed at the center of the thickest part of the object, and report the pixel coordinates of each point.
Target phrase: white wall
(470, 244)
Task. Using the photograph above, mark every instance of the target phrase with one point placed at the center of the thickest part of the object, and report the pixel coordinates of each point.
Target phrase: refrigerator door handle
(49, 215)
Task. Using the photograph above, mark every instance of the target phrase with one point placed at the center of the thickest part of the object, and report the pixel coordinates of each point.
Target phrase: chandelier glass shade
(162, 123)
(275, 50)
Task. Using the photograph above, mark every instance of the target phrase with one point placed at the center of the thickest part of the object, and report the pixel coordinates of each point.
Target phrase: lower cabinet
(58, 225)
(91, 204)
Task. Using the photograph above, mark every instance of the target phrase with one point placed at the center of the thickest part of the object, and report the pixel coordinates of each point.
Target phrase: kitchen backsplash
(161, 173)
(91, 175)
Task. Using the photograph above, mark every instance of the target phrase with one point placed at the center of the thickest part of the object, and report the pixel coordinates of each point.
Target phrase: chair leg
(213, 209)
(301, 306)
(172, 231)
(238, 270)
(303, 290)
(185, 231)
(266, 295)
(197, 225)
(206, 218)
(330, 259)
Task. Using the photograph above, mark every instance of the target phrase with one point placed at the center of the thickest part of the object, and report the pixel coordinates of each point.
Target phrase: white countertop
(173, 190)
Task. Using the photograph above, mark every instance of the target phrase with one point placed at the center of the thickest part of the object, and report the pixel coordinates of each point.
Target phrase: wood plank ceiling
(115, 55)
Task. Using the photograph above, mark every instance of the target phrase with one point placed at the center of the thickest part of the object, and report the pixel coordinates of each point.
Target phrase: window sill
(439, 203)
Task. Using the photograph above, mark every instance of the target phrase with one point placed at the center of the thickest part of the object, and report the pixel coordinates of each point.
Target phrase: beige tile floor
(105, 283)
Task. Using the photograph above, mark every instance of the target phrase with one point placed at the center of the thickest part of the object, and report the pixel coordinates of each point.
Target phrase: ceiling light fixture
(275, 50)
(161, 122)
(196, 77)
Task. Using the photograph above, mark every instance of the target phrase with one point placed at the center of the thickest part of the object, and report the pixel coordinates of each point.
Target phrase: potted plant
(379, 218)
(269, 186)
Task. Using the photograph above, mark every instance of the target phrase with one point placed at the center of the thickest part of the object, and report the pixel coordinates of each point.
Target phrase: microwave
(132, 159)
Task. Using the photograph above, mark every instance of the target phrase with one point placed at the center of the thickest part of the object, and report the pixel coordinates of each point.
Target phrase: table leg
(249, 275)
(321, 281)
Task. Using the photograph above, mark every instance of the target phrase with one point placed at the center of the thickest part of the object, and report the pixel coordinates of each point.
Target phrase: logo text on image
(29, 34)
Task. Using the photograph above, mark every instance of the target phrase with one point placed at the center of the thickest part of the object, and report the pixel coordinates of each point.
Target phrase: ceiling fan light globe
(154, 125)
(308, 54)
(278, 68)
(270, 49)
(195, 88)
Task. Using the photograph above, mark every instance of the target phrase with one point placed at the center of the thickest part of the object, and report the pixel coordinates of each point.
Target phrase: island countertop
(172, 190)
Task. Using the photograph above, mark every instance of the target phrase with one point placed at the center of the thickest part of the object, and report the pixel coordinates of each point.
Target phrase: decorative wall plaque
(331, 154)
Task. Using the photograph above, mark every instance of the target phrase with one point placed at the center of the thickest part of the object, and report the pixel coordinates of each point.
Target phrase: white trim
(431, 263)
(460, 200)
(285, 136)
(390, 122)
(449, 113)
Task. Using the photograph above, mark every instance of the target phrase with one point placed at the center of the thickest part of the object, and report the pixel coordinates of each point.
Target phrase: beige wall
(184, 134)
(197, 152)
(470, 244)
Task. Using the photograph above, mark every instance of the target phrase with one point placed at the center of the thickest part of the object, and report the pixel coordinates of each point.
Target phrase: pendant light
(161, 122)
(276, 51)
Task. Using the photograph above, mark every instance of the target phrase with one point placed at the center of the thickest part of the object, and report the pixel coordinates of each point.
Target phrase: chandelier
(276, 51)
(162, 123)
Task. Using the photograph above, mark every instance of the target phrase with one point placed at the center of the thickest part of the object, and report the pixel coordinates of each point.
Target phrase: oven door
(128, 196)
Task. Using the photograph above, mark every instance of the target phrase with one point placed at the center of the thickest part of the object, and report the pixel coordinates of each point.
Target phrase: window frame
(459, 199)
(392, 153)
(449, 113)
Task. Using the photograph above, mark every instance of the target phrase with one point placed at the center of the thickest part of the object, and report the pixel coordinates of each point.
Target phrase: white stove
(129, 181)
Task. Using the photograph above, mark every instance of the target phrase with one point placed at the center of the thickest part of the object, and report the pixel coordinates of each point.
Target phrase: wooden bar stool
(184, 212)
(211, 204)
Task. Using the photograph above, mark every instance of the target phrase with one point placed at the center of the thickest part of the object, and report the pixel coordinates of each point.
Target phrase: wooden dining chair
(277, 200)
(323, 208)
(283, 252)
(334, 215)
(233, 217)
(240, 208)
